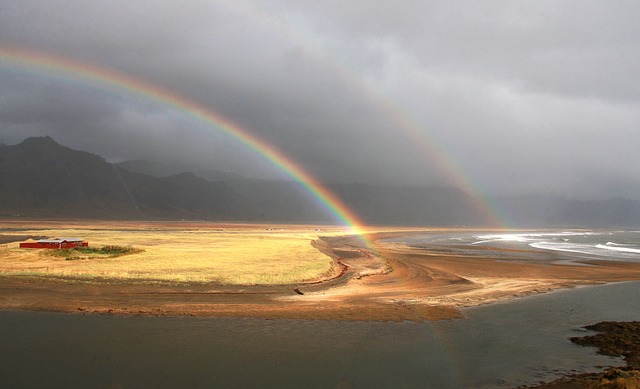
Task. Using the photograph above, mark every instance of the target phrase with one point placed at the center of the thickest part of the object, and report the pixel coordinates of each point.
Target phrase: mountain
(419, 205)
(408, 205)
(425, 205)
(41, 178)
(375, 204)
(165, 169)
(557, 211)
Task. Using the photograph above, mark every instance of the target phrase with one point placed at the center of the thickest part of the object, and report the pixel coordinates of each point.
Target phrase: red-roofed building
(56, 243)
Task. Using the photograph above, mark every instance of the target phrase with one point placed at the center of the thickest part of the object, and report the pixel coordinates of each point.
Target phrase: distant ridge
(558, 211)
(40, 178)
(163, 169)
(287, 201)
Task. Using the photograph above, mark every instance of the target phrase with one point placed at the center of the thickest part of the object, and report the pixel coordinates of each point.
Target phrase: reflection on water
(500, 345)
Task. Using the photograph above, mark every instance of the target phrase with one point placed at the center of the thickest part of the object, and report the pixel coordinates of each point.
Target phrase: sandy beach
(393, 282)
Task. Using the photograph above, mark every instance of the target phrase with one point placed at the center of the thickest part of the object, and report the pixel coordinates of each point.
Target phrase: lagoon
(495, 346)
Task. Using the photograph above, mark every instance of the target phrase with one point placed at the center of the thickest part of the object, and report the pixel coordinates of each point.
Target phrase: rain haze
(498, 97)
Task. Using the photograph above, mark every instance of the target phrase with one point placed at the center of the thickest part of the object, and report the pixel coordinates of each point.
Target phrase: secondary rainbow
(423, 139)
(38, 62)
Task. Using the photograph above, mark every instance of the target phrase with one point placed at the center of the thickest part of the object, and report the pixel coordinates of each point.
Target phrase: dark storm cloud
(524, 96)
(25, 100)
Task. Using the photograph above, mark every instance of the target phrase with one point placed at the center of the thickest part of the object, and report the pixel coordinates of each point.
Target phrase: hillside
(40, 177)
(288, 201)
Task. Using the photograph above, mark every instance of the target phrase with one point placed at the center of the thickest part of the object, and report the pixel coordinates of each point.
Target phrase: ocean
(613, 245)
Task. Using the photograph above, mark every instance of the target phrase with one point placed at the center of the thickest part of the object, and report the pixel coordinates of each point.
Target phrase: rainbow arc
(91, 75)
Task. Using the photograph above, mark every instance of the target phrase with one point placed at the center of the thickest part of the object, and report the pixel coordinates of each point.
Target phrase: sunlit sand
(270, 271)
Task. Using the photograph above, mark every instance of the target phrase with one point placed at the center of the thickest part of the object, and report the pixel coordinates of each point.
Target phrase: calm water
(500, 345)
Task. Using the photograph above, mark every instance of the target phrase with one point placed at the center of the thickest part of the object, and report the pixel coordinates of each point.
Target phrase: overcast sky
(501, 96)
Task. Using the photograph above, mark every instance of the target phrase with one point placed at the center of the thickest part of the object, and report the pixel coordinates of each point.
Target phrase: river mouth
(496, 346)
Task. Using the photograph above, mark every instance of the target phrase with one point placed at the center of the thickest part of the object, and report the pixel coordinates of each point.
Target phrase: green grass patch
(110, 251)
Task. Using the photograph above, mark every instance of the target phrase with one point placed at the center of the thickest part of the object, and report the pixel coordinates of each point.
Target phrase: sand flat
(393, 282)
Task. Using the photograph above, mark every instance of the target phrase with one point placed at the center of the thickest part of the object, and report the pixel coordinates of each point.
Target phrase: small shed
(55, 243)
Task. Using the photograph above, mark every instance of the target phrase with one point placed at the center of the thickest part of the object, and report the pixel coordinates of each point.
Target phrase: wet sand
(394, 282)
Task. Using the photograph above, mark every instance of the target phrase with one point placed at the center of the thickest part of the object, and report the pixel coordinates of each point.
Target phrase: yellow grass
(238, 256)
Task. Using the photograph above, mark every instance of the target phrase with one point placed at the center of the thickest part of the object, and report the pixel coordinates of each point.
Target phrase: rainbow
(423, 139)
(103, 78)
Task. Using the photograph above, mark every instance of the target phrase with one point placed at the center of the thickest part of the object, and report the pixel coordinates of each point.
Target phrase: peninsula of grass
(139, 252)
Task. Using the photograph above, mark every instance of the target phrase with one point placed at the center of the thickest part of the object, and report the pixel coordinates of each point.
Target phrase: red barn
(56, 243)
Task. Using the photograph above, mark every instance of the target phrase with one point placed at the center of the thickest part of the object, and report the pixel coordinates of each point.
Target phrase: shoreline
(396, 283)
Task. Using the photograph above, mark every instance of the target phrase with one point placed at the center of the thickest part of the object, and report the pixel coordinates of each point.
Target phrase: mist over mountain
(165, 169)
(289, 201)
(558, 211)
(41, 178)
(432, 205)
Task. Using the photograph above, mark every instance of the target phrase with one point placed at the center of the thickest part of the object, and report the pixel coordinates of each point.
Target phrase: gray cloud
(522, 96)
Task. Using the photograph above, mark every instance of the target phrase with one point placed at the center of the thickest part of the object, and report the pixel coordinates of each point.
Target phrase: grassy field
(230, 254)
